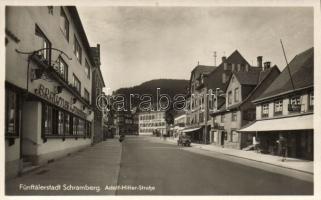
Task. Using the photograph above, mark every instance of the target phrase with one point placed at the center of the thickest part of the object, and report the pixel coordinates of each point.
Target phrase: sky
(144, 43)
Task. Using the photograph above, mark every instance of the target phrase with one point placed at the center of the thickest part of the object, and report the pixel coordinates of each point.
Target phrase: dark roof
(202, 69)
(301, 68)
(214, 79)
(247, 78)
(236, 57)
(262, 76)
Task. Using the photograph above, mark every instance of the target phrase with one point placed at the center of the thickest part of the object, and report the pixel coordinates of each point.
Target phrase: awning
(191, 129)
(303, 122)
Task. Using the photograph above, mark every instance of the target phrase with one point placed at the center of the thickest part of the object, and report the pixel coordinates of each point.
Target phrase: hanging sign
(52, 97)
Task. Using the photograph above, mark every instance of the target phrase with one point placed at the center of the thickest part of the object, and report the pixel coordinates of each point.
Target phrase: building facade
(238, 110)
(125, 123)
(97, 89)
(285, 110)
(152, 122)
(205, 83)
(48, 111)
(197, 124)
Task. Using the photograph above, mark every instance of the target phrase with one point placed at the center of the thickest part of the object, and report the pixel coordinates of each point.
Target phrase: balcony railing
(46, 65)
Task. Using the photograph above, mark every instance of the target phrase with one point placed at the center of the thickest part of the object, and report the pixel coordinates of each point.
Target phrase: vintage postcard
(156, 98)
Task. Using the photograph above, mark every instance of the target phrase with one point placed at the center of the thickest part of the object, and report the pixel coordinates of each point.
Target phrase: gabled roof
(214, 79)
(261, 77)
(301, 68)
(236, 57)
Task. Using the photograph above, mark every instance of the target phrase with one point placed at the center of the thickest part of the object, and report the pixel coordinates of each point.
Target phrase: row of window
(57, 122)
(151, 130)
(294, 106)
(64, 25)
(152, 124)
(152, 116)
(60, 65)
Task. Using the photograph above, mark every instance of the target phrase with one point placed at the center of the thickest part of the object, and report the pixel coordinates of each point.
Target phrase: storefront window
(67, 124)
(11, 113)
(88, 129)
(81, 127)
(47, 119)
(61, 122)
(75, 124)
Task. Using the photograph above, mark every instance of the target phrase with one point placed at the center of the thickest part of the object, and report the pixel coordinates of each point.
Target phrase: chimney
(223, 59)
(267, 65)
(259, 61)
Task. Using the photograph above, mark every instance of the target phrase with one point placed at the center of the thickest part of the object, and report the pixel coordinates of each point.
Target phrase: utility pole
(287, 64)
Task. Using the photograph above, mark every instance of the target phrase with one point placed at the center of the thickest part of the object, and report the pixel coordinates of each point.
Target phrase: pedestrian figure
(121, 138)
(283, 146)
(255, 144)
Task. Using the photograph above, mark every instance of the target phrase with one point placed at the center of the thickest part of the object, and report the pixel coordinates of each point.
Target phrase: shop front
(296, 132)
(43, 124)
(197, 133)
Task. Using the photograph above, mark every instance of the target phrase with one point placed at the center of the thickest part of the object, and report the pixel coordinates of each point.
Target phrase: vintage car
(184, 140)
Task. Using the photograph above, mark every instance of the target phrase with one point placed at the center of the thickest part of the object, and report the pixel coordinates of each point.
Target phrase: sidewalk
(290, 163)
(85, 173)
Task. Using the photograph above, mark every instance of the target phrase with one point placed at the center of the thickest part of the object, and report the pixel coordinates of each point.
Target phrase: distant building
(179, 124)
(48, 89)
(238, 110)
(286, 109)
(124, 123)
(152, 122)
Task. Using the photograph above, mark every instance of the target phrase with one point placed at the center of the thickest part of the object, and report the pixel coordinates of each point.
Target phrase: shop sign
(52, 97)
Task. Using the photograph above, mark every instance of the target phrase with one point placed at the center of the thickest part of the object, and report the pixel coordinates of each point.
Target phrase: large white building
(151, 122)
